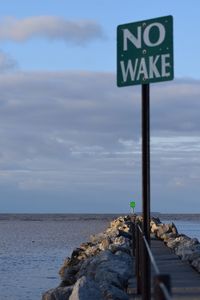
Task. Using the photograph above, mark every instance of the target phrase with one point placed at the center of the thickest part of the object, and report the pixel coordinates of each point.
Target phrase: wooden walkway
(185, 281)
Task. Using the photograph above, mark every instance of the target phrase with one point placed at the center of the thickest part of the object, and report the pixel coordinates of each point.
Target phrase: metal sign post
(144, 56)
(146, 160)
(146, 186)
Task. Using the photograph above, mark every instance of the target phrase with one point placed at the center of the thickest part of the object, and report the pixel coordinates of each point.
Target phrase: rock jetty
(99, 269)
(103, 267)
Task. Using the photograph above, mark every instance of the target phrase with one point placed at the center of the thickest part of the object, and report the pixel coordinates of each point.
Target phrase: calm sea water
(33, 248)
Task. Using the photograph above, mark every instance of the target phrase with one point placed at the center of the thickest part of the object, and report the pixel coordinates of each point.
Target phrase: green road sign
(145, 51)
(132, 204)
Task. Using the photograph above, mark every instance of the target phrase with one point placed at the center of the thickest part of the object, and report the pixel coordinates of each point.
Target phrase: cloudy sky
(70, 140)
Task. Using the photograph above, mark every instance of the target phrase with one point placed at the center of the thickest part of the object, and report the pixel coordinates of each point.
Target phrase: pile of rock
(163, 231)
(102, 268)
(188, 249)
(99, 269)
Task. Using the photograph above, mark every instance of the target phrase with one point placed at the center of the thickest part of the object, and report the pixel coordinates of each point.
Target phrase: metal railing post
(133, 237)
(138, 260)
(162, 287)
(161, 282)
(146, 276)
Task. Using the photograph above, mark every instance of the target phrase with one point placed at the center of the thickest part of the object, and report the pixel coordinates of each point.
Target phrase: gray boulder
(85, 289)
(119, 263)
(164, 231)
(111, 292)
(105, 243)
(196, 264)
(173, 243)
(97, 238)
(59, 293)
(188, 250)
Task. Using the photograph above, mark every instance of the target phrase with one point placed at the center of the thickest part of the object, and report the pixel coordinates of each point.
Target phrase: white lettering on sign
(137, 40)
(165, 64)
(148, 69)
(142, 69)
(161, 38)
(152, 67)
(129, 69)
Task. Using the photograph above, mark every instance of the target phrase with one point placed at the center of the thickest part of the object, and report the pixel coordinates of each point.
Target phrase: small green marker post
(132, 206)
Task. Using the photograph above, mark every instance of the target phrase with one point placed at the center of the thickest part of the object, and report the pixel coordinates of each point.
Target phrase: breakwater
(103, 267)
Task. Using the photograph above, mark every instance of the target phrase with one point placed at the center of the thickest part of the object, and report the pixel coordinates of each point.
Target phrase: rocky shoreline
(103, 268)
(188, 249)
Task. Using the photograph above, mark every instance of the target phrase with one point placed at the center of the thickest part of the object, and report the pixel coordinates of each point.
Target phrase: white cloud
(126, 143)
(50, 27)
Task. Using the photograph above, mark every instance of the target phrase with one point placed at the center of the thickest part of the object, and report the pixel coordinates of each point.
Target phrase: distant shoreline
(91, 216)
(56, 216)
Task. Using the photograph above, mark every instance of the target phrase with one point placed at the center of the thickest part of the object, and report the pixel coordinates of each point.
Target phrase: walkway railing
(144, 259)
